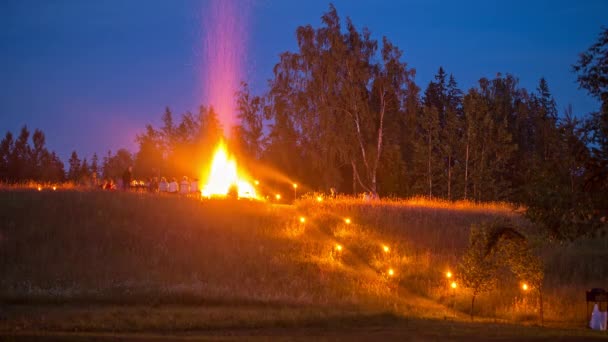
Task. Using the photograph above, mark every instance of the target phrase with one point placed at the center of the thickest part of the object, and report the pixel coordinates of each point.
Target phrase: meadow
(98, 261)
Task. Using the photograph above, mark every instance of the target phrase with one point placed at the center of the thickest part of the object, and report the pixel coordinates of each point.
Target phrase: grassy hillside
(129, 248)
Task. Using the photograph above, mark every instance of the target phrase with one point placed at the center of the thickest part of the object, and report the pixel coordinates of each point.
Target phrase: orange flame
(224, 175)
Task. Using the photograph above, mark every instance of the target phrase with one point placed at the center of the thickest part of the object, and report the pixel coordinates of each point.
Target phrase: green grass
(252, 264)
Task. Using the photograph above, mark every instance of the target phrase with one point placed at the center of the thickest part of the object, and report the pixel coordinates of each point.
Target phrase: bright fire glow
(224, 175)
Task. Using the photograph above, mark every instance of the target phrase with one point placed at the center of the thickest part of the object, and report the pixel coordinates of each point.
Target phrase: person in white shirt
(163, 186)
(173, 187)
(184, 186)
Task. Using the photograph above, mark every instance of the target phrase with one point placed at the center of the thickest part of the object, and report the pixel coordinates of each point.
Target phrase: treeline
(24, 159)
(345, 112)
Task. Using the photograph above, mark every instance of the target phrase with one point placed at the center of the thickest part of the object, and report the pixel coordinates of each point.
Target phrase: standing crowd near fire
(153, 184)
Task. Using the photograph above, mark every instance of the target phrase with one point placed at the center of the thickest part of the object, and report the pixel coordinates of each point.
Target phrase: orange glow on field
(224, 175)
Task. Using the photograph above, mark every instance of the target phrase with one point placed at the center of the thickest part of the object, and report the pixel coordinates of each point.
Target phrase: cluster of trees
(345, 112)
(22, 161)
(178, 148)
(27, 159)
(84, 173)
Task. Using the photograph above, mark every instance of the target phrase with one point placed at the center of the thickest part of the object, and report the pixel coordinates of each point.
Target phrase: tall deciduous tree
(342, 92)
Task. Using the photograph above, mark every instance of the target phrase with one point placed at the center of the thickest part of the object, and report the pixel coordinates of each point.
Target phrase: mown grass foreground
(130, 262)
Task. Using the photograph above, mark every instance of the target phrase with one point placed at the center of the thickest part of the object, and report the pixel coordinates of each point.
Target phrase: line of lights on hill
(339, 248)
(524, 286)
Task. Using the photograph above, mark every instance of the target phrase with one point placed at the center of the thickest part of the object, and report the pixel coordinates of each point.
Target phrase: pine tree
(6, 150)
(85, 171)
(250, 112)
(37, 154)
(95, 167)
(75, 169)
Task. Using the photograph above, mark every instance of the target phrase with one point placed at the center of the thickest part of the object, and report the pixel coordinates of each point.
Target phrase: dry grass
(138, 249)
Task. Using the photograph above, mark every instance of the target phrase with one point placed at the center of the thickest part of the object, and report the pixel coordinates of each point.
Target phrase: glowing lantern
(448, 274)
(54, 188)
(347, 220)
(391, 272)
(453, 285)
(339, 247)
(278, 197)
(525, 287)
(295, 186)
(223, 177)
(302, 219)
(39, 188)
(385, 248)
(319, 199)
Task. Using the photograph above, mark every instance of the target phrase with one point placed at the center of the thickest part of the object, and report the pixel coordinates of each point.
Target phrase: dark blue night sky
(91, 74)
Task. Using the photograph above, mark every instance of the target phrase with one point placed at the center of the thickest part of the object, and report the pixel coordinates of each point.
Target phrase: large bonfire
(224, 177)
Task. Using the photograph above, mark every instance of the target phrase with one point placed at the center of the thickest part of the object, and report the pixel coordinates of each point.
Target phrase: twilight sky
(91, 74)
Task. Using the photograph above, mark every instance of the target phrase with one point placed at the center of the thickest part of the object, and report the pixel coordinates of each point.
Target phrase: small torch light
(347, 220)
(319, 199)
(302, 219)
(453, 285)
(278, 197)
(338, 247)
(385, 248)
(448, 274)
(391, 272)
(525, 287)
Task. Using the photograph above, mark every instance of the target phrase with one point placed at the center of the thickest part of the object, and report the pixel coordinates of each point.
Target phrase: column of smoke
(224, 51)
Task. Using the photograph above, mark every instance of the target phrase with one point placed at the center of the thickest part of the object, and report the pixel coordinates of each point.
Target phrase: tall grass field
(313, 260)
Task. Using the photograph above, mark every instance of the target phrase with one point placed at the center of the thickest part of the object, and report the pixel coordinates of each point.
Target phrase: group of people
(184, 187)
(154, 184)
